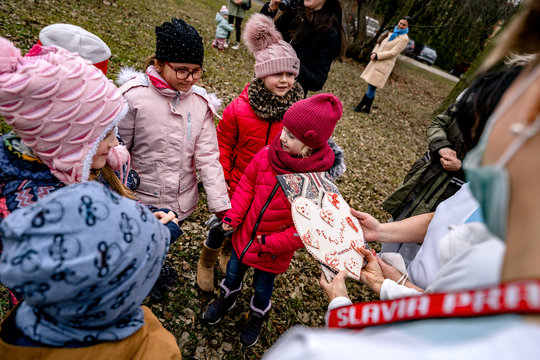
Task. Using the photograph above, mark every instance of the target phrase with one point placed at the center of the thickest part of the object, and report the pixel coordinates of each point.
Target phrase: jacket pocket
(149, 192)
(188, 194)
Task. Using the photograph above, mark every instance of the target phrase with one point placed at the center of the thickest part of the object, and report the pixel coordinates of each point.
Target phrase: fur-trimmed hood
(339, 166)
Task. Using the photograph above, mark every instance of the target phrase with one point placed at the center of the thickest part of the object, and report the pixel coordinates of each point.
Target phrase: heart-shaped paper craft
(335, 237)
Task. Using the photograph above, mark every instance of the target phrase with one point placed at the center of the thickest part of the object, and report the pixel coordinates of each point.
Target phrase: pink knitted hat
(313, 120)
(60, 105)
(272, 54)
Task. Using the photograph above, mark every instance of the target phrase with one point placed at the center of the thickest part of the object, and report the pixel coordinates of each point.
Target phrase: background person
(382, 61)
(223, 28)
(236, 15)
(315, 31)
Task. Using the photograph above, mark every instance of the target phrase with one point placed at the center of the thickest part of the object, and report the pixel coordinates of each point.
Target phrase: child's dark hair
(480, 100)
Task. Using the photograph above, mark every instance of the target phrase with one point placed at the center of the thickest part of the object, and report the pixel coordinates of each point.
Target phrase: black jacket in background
(316, 53)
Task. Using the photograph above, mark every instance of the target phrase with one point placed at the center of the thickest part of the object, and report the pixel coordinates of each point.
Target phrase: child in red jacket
(249, 123)
(266, 238)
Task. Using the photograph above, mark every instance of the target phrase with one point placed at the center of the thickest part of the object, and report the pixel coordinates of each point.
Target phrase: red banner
(521, 297)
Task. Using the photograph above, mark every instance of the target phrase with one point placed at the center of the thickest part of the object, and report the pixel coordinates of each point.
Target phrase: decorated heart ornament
(333, 199)
(334, 237)
(302, 207)
(311, 238)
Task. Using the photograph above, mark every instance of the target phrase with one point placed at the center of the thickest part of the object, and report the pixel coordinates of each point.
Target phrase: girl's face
(100, 159)
(403, 24)
(314, 4)
(290, 143)
(279, 84)
(168, 73)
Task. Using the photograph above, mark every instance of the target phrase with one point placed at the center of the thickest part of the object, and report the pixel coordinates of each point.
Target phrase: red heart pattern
(328, 216)
(333, 199)
(311, 238)
(302, 207)
(335, 241)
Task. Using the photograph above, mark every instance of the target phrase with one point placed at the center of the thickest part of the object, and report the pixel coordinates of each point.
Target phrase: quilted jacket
(170, 135)
(252, 193)
(241, 134)
(279, 238)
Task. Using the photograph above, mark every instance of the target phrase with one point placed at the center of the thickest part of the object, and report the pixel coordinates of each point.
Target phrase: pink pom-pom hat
(61, 106)
(272, 54)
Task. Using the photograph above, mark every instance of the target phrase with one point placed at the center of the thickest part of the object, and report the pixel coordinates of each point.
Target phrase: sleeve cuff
(338, 302)
(174, 230)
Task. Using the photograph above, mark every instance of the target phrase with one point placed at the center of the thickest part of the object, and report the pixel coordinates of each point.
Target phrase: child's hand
(227, 227)
(165, 218)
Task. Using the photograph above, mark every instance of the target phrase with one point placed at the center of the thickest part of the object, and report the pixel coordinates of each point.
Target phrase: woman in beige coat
(382, 62)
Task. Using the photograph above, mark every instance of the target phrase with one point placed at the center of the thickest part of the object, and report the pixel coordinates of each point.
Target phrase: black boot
(362, 103)
(367, 107)
(250, 333)
(220, 307)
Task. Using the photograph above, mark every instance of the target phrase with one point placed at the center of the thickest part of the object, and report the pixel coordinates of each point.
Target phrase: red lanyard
(519, 297)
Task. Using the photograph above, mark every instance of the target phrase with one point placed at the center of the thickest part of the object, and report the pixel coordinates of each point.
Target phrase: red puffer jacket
(241, 134)
(275, 252)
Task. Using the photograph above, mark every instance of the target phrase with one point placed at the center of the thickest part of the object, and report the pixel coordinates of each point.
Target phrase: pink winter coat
(275, 252)
(169, 134)
(241, 134)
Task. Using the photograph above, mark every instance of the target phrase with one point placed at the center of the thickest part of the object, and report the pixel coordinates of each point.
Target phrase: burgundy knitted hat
(272, 54)
(313, 120)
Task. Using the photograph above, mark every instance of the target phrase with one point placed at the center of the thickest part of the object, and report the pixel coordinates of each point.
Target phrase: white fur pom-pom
(126, 73)
(217, 102)
(9, 56)
(260, 32)
(118, 156)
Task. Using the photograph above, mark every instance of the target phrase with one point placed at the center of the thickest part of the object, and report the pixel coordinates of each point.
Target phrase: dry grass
(380, 148)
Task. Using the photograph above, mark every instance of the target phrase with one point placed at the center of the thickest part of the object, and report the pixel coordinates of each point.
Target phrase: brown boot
(205, 268)
(225, 255)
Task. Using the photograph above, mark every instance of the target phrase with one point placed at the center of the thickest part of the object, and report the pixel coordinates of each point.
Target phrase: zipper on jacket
(188, 126)
(268, 133)
(259, 221)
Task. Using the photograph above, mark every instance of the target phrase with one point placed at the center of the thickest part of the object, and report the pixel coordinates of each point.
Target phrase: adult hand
(373, 56)
(447, 153)
(164, 218)
(237, 2)
(274, 5)
(452, 164)
(388, 271)
(371, 275)
(370, 226)
(227, 227)
(335, 288)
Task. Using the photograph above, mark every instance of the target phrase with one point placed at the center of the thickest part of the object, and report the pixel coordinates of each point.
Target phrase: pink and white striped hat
(60, 105)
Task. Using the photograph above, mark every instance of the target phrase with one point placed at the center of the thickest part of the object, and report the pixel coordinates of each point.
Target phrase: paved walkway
(431, 69)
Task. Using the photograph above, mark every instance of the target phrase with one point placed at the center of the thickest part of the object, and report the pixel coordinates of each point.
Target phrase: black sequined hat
(177, 41)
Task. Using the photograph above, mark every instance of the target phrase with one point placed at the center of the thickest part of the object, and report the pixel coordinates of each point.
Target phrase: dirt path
(431, 69)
